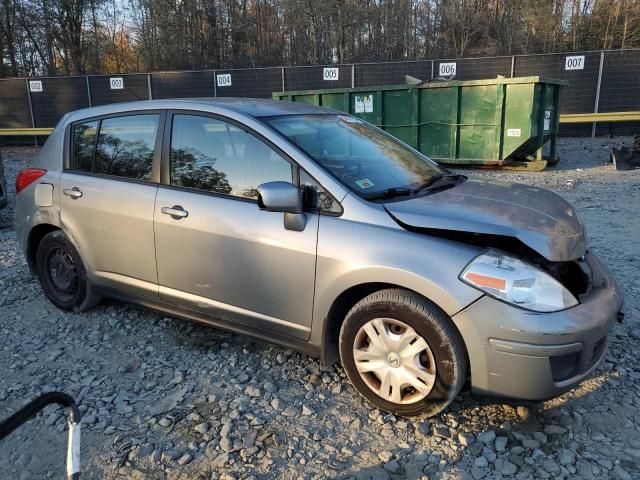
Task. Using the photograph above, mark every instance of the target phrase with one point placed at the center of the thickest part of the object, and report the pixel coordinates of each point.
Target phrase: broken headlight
(517, 283)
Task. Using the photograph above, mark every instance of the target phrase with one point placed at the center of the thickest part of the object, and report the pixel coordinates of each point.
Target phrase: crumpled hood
(540, 219)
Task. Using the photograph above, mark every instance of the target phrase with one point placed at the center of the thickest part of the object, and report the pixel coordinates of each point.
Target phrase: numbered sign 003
(330, 74)
(447, 69)
(574, 62)
(116, 83)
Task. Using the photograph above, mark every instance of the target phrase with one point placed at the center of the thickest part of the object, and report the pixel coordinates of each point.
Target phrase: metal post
(513, 65)
(597, 103)
(353, 75)
(215, 82)
(88, 89)
(33, 121)
(283, 79)
(432, 66)
(149, 86)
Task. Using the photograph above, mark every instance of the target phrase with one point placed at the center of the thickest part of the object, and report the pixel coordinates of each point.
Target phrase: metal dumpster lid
(427, 84)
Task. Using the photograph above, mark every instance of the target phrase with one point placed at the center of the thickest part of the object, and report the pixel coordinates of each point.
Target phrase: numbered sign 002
(574, 62)
(447, 69)
(330, 74)
(116, 83)
(35, 86)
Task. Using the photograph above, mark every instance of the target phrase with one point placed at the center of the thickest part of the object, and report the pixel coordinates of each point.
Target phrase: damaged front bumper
(526, 355)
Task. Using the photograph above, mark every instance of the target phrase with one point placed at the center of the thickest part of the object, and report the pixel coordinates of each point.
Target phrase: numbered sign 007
(574, 62)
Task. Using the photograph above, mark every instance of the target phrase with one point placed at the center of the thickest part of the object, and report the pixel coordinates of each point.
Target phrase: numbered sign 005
(116, 83)
(330, 74)
(447, 69)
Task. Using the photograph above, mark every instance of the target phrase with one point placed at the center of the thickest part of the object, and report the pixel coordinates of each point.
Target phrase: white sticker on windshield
(364, 183)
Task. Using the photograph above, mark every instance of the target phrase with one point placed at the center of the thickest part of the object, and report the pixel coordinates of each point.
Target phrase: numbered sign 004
(116, 83)
(330, 74)
(223, 79)
(447, 69)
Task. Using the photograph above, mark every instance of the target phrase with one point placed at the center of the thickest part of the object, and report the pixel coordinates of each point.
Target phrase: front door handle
(176, 212)
(72, 192)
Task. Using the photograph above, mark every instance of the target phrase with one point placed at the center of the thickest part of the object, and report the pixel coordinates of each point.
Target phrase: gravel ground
(163, 398)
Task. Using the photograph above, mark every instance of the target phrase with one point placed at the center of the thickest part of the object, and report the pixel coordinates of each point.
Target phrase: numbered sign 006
(447, 69)
(330, 74)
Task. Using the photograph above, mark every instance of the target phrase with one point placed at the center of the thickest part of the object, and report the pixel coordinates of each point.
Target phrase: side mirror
(283, 197)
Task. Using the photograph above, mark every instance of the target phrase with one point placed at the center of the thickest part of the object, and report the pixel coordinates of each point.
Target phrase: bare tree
(99, 36)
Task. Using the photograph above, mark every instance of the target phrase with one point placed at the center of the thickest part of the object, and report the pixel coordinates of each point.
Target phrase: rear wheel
(62, 274)
(402, 353)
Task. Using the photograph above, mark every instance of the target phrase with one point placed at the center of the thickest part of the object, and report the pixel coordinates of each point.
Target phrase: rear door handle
(72, 192)
(176, 212)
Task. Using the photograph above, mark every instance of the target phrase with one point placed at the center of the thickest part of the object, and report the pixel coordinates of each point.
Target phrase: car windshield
(370, 162)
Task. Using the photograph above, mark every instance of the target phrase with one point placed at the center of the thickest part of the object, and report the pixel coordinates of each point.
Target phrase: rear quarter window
(84, 143)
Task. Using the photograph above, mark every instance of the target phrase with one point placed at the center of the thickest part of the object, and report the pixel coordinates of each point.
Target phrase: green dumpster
(499, 122)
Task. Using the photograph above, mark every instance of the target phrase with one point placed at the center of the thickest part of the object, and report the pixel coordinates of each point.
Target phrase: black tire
(62, 274)
(429, 322)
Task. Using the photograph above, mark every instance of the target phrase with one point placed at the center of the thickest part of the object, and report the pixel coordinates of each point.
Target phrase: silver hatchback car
(313, 229)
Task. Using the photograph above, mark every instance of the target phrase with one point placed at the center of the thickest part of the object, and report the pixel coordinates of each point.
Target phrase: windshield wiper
(391, 193)
(437, 181)
(440, 180)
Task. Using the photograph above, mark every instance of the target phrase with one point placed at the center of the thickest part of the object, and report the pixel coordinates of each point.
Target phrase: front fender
(353, 253)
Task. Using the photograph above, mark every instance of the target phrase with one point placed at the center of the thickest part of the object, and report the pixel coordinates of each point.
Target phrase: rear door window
(126, 145)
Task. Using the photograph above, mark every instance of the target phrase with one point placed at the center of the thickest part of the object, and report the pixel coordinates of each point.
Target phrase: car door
(217, 252)
(108, 191)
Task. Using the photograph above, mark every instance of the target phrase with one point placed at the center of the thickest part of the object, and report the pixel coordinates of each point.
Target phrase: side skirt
(227, 325)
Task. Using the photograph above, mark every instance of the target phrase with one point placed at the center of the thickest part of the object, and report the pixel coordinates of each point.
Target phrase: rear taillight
(27, 176)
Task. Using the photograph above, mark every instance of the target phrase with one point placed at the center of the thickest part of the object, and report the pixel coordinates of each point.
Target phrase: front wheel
(402, 353)
(62, 274)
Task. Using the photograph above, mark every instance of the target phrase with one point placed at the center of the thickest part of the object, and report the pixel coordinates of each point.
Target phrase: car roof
(262, 107)
(253, 107)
